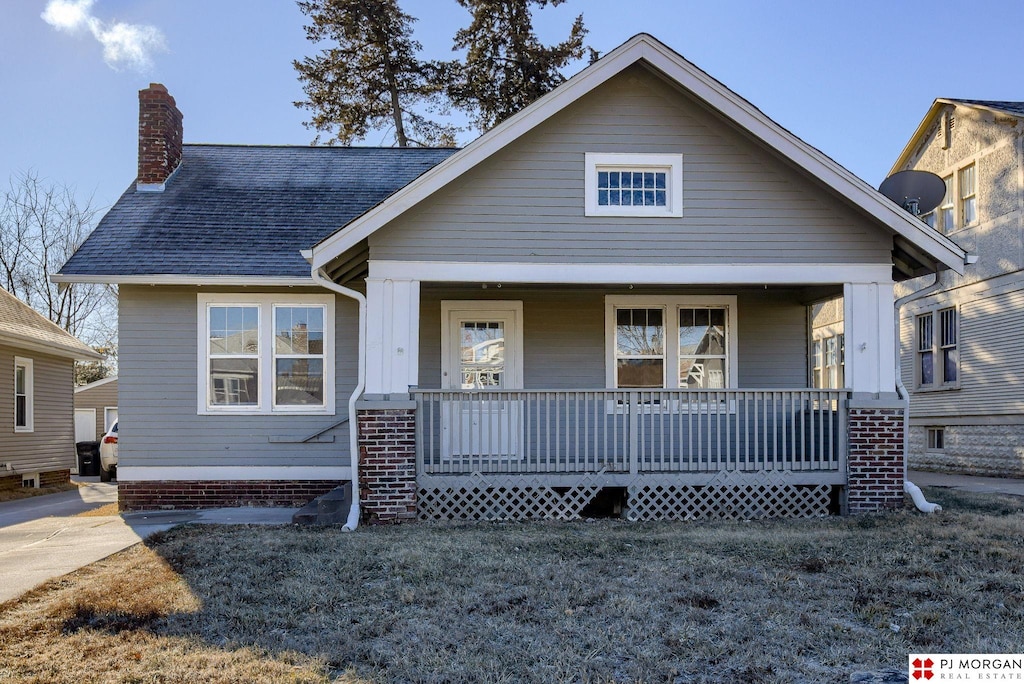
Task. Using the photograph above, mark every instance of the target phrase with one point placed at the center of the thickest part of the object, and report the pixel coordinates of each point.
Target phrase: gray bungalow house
(37, 434)
(600, 305)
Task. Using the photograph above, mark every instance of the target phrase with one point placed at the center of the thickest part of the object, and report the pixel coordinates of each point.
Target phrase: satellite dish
(916, 191)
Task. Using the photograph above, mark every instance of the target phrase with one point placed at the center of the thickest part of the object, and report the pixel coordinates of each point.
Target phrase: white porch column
(392, 335)
(870, 337)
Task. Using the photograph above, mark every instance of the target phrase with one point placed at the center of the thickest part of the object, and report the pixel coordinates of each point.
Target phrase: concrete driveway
(41, 539)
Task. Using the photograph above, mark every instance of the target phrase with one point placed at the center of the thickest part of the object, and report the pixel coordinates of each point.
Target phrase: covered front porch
(650, 401)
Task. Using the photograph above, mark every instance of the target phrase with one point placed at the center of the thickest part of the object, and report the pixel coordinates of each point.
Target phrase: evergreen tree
(369, 75)
(506, 66)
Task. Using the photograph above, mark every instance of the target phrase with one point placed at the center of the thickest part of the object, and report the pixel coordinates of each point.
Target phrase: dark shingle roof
(245, 210)
(1015, 108)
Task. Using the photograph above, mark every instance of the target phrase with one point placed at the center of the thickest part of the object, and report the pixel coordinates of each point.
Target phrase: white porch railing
(632, 432)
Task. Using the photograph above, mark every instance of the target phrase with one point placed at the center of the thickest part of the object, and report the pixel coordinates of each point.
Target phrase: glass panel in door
(482, 354)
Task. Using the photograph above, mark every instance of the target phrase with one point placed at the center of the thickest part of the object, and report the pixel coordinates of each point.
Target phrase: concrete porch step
(330, 509)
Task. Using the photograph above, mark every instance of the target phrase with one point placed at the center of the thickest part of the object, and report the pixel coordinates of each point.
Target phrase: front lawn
(607, 601)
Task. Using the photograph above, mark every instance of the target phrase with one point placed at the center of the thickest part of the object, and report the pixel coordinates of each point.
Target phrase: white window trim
(961, 219)
(938, 365)
(671, 305)
(107, 423)
(670, 163)
(956, 201)
(30, 393)
(266, 304)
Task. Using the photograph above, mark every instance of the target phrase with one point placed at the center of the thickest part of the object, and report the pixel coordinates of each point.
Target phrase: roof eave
(185, 279)
(64, 351)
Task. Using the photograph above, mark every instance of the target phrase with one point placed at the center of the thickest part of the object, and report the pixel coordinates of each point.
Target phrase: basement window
(936, 439)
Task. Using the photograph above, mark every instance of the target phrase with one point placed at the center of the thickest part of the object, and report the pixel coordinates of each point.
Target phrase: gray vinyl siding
(158, 422)
(991, 359)
(741, 204)
(98, 398)
(51, 444)
(564, 335)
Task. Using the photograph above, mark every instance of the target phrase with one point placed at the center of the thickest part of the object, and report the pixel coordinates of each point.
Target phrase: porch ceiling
(350, 265)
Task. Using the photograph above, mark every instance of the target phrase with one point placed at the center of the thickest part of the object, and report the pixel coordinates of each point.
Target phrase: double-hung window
(24, 395)
(829, 362)
(968, 196)
(671, 342)
(633, 185)
(266, 354)
(947, 224)
(938, 358)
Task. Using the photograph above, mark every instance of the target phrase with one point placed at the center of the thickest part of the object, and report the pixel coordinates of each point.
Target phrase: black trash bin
(88, 458)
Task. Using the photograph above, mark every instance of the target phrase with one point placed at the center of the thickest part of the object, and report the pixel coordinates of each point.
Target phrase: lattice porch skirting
(725, 495)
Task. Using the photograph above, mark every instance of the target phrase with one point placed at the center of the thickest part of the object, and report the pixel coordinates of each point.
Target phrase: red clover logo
(922, 669)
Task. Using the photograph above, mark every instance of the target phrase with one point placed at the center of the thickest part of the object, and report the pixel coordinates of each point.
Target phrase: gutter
(909, 487)
(321, 279)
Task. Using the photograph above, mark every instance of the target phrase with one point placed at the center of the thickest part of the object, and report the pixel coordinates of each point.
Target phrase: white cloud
(124, 45)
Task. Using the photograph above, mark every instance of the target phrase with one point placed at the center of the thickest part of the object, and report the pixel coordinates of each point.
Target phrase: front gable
(740, 202)
(915, 249)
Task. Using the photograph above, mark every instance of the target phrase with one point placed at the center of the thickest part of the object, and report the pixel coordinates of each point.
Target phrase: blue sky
(851, 78)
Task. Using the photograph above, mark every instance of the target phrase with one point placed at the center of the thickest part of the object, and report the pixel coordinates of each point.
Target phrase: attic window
(633, 184)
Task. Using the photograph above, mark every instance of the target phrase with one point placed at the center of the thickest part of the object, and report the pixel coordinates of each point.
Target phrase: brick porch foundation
(876, 459)
(145, 495)
(387, 464)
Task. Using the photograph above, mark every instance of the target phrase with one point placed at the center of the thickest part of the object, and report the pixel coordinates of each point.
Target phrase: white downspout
(353, 425)
(909, 487)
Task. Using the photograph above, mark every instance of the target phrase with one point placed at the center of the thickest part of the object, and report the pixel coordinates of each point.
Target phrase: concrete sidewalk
(47, 544)
(968, 483)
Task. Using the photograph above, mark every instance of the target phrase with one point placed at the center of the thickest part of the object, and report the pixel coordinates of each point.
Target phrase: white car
(108, 455)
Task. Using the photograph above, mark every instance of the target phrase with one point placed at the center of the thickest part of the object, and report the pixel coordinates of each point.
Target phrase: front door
(481, 350)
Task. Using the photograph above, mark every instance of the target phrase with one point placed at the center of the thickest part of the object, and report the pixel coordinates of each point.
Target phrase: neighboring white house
(604, 297)
(961, 346)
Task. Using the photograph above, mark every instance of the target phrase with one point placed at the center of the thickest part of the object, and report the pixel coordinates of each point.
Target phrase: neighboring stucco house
(37, 439)
(600, 305)
(961, 345)
(95, 409)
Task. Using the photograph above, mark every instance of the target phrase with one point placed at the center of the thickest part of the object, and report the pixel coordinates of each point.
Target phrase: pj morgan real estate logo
(965, 667)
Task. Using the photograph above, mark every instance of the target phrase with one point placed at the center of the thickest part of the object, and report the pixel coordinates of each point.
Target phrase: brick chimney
(159, 138)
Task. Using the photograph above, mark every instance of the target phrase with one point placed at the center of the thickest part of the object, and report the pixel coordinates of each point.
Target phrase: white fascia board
(127, 473)
(35, 345)
(633, 274)
(477, 151)
(688, 76)
(922, 127)
(807, 157)
(175, 279)
(97, 383)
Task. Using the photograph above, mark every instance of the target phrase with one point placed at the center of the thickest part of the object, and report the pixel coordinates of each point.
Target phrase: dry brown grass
(28, 492)
(108, 509)
(780, 601)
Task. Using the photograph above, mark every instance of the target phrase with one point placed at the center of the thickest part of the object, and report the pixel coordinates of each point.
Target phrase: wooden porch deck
(674, 453)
